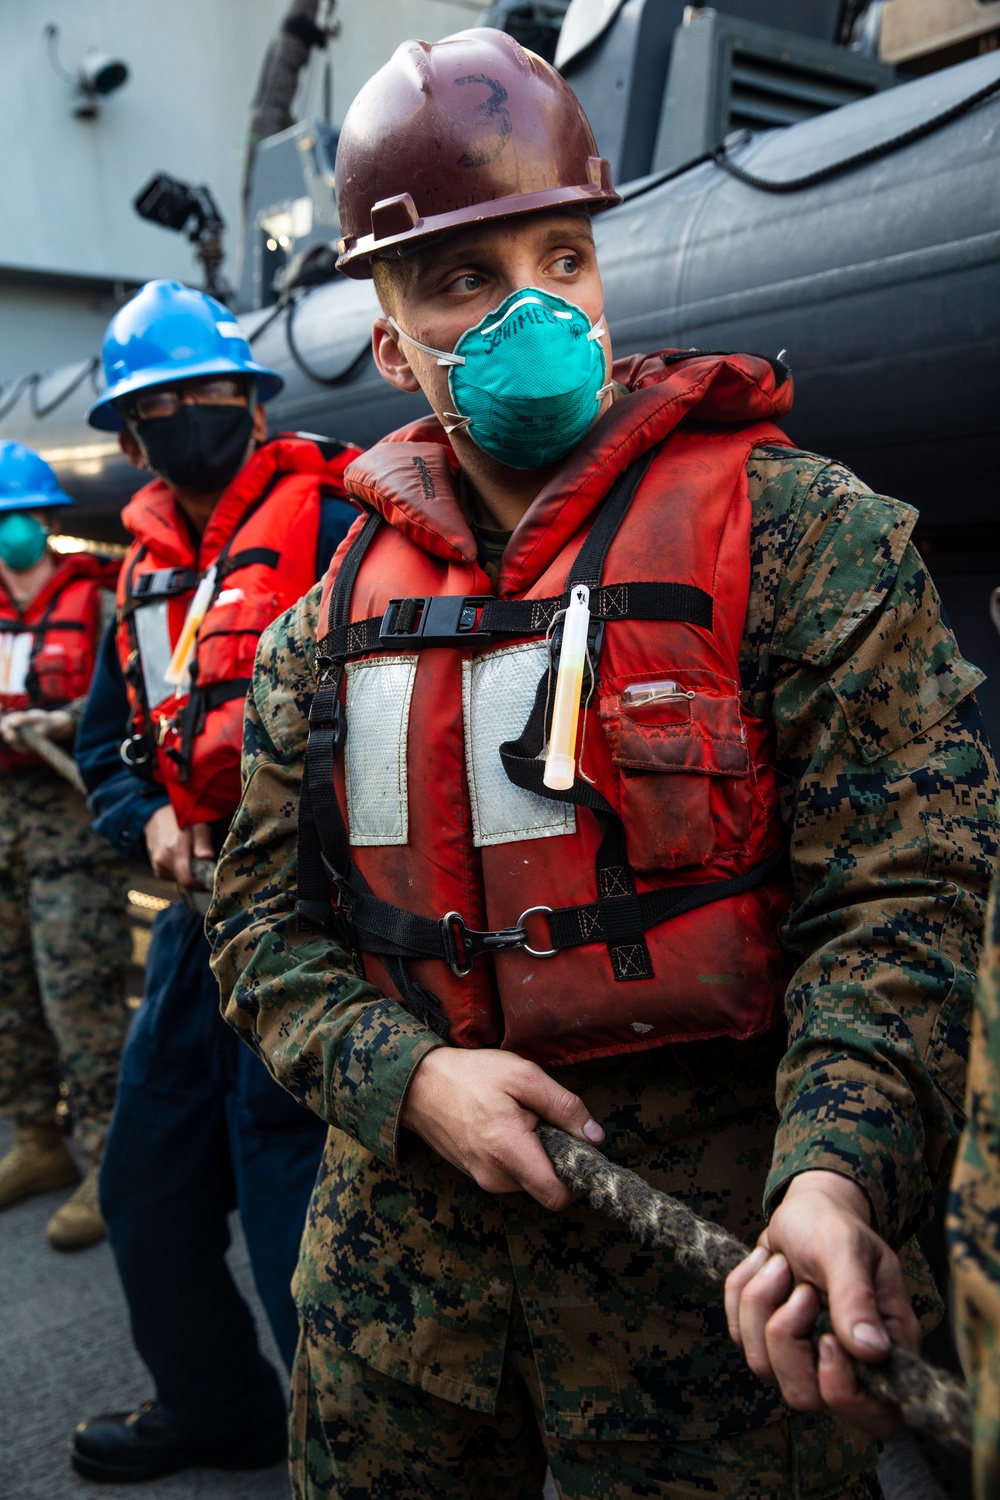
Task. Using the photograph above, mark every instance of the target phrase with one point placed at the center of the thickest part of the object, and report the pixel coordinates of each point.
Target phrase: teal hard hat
(26, 481)
(171, 332)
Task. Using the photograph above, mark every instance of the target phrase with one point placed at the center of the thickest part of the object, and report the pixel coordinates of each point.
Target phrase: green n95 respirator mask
(527, 381)
(23, 539)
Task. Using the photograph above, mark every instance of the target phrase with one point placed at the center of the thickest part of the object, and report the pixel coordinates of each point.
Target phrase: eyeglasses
(153, 406)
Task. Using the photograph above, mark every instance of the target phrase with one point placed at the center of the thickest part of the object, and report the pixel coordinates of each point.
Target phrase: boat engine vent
(727, 74)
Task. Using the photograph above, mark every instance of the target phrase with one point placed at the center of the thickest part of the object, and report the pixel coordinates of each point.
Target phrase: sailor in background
(63, 935)
(232, 528)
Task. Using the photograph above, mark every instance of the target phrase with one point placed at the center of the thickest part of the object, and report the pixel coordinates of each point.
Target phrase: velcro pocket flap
(676, 721)
(227, 639)
(679, 743)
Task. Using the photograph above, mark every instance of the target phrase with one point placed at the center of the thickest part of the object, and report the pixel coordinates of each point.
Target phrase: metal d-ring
(448, 924)
(128, 755)
(536, 952)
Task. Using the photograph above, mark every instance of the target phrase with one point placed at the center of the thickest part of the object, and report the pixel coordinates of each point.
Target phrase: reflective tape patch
(15, 659)
(498, 691)
(378, 716)
(153, 635)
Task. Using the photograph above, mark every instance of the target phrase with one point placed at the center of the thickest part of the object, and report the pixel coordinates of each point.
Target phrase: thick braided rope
(929, 1399)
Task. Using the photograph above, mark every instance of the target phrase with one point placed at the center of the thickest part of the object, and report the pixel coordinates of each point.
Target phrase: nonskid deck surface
(65, 1353)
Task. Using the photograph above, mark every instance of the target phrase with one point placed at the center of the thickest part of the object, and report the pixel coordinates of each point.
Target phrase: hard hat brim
(42, 500)
(105, 416)
(356, 255)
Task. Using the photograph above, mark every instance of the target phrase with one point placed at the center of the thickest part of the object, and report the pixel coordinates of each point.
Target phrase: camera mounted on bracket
(180, 206)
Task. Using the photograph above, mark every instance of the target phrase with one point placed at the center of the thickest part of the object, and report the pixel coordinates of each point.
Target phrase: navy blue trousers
(200, 1128)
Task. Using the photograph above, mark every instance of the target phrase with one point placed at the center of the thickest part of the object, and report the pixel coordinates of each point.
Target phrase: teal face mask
(22, 540)
(527, 380)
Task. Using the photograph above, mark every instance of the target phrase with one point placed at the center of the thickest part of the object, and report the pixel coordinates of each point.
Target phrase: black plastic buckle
(463, 945)
(164, 583)
(595, 640)
(322, 716)
(339, 727)
(432, 619)
(343, 895)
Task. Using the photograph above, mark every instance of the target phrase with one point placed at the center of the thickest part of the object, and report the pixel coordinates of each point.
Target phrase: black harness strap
(324, 852)
(39, 630)
(622, 920)
(31, 683)
(616, 601)
(165, 583)
(218, 693)
(621, 915)
(201, 700)
(23, 627)
(245, 559)
(312, 903)
(471, 620)
(138, 748)
(628, 951)
(589, 564)
(323, 845)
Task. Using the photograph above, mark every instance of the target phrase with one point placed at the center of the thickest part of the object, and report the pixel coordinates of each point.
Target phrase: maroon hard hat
(450, 133)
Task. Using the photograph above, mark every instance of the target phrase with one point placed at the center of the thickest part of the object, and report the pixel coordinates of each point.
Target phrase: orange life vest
(642, 906)
(261, 542)
(48, 651)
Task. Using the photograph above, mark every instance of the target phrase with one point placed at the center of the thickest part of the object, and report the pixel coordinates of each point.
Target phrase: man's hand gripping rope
(927, 1398)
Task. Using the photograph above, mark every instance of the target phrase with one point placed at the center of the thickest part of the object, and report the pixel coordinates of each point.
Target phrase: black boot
(124, 1447)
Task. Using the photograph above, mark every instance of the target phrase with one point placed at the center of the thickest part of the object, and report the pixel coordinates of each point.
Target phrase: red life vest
(47, 653)
(261, 540)
(641, 907)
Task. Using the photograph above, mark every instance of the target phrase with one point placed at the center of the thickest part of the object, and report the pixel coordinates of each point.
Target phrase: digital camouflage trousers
(64, 946)
(357, 1434)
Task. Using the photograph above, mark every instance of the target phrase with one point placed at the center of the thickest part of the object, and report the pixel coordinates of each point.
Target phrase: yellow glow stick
(179, 670)
(560, 758)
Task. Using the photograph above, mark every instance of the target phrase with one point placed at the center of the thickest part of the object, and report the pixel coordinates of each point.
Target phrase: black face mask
(200, 447)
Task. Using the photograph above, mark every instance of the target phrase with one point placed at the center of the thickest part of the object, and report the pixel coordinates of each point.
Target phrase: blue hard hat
(26, 481)
(171, 332)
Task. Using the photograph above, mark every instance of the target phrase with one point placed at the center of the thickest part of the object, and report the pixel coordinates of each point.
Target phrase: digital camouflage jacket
(974, 1220)
(887, 790)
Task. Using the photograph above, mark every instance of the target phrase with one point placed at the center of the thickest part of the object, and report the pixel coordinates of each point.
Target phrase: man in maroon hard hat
(622, 770)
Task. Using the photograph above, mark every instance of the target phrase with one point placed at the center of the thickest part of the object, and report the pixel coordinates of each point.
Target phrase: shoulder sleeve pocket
(906, 674)
(850, 574)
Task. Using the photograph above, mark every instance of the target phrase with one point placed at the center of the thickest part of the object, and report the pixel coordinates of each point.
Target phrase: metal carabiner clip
(536, 952)
(128, 754)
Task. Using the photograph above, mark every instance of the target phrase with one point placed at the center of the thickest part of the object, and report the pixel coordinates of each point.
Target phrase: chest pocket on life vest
(685, 783)
(228, 636)
(59, 671)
